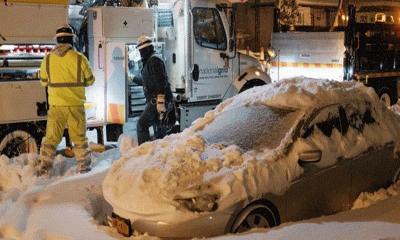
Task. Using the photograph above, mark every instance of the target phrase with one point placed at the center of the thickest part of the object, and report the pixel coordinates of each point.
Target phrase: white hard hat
(64, 31)
(144, 41)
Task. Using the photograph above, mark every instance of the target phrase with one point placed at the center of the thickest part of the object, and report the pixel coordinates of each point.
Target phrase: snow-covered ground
(69, 206)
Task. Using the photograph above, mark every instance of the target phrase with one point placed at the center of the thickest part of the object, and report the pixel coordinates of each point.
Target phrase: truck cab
(203, 64)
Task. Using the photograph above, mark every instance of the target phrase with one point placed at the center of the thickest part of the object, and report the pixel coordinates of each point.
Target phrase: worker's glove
(161, 109)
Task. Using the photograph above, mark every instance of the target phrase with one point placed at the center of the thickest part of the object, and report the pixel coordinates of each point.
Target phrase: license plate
(123, 225)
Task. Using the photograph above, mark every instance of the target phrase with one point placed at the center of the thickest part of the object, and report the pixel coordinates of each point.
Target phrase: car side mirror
(312, 156)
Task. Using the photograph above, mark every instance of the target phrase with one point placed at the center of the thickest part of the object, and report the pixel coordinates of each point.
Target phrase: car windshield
(251, 127)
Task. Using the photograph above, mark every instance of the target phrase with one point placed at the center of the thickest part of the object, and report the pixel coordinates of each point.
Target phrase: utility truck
(195, 38)
(366, 51)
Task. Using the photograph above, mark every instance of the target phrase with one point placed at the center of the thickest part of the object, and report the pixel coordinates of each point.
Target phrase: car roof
(305, 93)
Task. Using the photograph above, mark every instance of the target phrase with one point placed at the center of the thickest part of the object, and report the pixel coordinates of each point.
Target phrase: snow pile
(369, 230)
(396, 108)
(367, 199)
(151, 179)
(61, 206)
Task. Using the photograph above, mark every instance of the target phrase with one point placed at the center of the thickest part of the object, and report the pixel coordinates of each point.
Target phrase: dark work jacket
(155, 79)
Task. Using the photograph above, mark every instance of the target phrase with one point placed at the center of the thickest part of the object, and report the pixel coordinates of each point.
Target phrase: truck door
(210, 39)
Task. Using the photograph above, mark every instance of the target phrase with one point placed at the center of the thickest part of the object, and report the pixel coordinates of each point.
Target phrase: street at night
(195, 119)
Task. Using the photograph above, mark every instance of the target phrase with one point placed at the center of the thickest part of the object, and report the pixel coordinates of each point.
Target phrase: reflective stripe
(79, 69)
(48, 66)
(307, 65)
(78, 82)
(59, 85)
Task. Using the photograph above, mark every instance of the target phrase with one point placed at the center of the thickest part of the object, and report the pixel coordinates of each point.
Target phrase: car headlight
(204, 203)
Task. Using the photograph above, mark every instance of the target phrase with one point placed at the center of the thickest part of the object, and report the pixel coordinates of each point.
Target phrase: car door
(214, 74)
(324, 187)
(375, 166)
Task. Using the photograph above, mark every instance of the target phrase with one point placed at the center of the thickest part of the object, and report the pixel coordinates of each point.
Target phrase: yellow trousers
(58, 118)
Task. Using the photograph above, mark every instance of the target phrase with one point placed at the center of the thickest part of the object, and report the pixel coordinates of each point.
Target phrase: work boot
(83, 166)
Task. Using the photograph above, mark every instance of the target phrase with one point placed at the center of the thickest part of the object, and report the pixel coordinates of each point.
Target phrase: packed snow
(70, 206)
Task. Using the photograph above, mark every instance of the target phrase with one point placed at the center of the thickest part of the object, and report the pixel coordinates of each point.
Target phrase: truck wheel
(386, 97)
(18, 142)
(260, 214)
(252, 83)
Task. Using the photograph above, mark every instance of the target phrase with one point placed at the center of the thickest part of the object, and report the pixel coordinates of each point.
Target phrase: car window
(357, 116)
(326, 120)
(251, 127)
(208, 28)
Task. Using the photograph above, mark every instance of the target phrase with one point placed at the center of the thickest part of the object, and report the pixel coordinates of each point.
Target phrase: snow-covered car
(282, 152)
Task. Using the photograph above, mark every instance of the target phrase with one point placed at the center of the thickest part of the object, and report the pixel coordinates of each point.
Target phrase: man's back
(66, 72)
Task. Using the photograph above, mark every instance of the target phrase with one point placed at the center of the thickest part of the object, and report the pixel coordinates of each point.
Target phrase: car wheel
(256, 215)
(18, 142)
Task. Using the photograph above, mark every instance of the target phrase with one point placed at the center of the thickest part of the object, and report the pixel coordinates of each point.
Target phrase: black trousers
(149, 118)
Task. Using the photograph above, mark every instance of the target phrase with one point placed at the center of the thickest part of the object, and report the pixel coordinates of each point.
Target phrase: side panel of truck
(309, 54)
(22, 101)
(31, 23)
(110, 31)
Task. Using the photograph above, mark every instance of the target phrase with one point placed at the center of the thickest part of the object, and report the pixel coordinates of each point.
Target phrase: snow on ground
(377, 216)
(63, 206)
(69, 206)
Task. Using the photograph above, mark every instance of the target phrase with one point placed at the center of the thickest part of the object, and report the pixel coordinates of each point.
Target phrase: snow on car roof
(303, 93)
(295, 93)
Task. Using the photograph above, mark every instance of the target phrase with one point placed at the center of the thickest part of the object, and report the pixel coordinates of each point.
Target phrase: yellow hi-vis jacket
(66, 73)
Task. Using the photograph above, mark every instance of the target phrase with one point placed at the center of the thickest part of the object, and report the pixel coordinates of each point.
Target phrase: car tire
(18, 142)
(260, 214)
(252, 83)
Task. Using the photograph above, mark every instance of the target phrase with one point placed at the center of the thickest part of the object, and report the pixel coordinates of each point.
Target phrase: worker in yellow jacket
(66, 73)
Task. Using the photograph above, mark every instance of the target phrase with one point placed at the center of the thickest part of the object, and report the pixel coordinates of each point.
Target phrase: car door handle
(196, 72)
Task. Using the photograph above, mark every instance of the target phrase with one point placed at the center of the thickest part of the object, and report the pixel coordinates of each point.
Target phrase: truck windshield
(251, 127)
